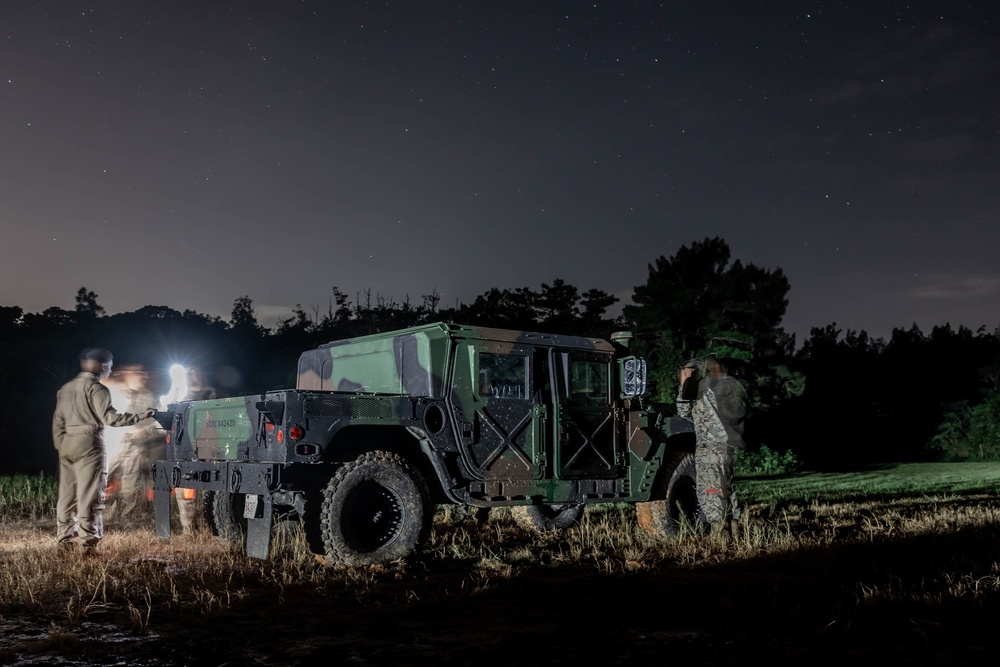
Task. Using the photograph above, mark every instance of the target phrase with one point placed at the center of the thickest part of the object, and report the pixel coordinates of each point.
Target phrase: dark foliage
(864, 399)
(875, 400)
(236, 357)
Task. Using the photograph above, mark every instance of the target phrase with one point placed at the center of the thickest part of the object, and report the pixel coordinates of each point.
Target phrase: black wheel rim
(372, 516)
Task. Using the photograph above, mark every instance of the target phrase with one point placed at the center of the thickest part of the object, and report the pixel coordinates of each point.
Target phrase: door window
(503, 376)
(589, 382)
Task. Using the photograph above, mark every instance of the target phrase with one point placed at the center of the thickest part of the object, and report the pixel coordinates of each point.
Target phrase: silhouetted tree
(697, 299)
(556, 309)
(243, 316)
(86, 304)
(593, 321)
(506, 308)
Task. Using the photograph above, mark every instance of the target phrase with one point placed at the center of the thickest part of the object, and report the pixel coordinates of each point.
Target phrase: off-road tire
(675, 506)
(223, 512)
(547, 518)
(376, 509)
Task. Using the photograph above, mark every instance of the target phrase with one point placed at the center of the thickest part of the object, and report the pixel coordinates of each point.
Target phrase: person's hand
(150, 412)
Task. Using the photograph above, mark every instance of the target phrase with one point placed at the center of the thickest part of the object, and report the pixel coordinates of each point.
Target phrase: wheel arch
(682, 443)
(675, 498)
(352, 441)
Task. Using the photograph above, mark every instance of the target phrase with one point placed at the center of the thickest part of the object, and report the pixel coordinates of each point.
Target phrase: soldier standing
(141, 445)
(716, 403)
(83, 409)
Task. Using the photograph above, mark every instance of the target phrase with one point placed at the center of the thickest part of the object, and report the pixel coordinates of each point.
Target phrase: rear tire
(224, 515)
(547, 518)
(676, 509)
(375, 509)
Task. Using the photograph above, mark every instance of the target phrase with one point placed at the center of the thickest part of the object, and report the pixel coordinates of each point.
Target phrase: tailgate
(218, 429)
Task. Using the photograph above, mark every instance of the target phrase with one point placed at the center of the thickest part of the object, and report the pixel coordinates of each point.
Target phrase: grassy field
(897, 563)
(901, 480)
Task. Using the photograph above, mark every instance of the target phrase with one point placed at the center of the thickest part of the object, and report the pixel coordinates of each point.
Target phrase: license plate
(250, 508)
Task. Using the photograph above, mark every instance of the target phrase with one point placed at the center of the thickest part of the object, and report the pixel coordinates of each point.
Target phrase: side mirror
(632, 374)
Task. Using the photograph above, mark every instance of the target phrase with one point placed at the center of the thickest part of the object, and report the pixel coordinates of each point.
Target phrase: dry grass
(792, 580)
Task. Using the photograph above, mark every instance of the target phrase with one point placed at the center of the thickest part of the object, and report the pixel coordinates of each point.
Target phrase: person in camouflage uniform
(716, 403)
(83, 409)
(142, 445)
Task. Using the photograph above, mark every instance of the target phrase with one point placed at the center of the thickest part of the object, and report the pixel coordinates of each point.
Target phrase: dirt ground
(883, 601)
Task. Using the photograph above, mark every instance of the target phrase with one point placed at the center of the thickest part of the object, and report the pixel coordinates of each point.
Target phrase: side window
(503, 376)
(589, 382)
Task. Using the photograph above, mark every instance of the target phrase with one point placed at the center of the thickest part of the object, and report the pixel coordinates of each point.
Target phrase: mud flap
(161, 500)
(258, 514)
(161, 510)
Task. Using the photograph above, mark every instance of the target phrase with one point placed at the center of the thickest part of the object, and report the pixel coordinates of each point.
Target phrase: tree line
(840, 398)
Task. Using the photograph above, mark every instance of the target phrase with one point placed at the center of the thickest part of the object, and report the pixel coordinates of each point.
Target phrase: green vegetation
(970, 431)
(892, 481)
(28, 497)
(766, 461)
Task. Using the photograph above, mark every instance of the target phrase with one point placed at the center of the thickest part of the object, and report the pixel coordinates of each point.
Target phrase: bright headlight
(178, 386)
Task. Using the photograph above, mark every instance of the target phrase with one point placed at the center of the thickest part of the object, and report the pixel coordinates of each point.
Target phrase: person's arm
(100, 399)
(58, 425)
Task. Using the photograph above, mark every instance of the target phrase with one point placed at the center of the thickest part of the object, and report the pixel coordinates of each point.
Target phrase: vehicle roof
(461, 331)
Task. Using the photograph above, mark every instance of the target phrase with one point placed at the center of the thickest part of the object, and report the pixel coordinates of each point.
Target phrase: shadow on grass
(915, 600)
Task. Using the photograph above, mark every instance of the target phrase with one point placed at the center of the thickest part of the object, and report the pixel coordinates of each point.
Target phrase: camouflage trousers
(713, 464)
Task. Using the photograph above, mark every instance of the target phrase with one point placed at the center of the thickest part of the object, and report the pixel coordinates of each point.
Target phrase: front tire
(676, 509)
(547, 518)
(375, 509)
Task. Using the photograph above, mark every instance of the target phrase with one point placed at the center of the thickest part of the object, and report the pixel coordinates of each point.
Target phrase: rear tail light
(296, 432)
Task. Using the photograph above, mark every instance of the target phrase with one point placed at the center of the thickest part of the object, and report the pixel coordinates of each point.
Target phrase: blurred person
(188, 500)
(113, 436)
(130, 470)
(83, 409)
(716, 403)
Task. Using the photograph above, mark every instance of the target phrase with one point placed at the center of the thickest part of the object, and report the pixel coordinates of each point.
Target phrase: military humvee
(382, 428)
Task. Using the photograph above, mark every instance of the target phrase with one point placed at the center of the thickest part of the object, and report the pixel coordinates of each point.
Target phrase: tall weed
(24, 497)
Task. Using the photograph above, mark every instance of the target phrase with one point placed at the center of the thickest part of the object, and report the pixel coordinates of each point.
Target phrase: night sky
(188, 153)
